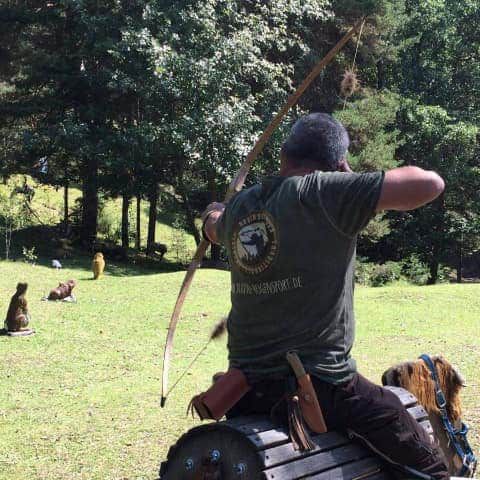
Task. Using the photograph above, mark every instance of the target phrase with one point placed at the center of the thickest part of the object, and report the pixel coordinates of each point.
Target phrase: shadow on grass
(49, 245)
(46, 244)
(83, 263)
(128, 268)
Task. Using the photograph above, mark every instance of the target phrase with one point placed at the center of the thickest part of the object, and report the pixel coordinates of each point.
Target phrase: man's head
(316, 141)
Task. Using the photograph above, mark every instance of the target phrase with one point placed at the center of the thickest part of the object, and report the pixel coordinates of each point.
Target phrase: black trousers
(372, 412)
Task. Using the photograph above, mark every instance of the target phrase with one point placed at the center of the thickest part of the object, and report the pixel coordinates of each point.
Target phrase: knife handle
(296, 364)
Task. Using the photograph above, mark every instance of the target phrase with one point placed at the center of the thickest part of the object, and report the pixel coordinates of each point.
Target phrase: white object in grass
(56, 264)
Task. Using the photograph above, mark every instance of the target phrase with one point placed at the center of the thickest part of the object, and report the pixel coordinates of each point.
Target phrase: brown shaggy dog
(416, 378)
(98, 265)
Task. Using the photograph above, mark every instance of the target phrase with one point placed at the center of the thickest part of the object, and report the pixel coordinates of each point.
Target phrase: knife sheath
(307, 396)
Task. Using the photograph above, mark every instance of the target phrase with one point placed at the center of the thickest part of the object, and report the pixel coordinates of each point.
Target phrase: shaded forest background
(137, 99)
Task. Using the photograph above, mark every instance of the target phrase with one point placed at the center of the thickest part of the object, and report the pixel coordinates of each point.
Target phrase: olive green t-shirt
(291, 246)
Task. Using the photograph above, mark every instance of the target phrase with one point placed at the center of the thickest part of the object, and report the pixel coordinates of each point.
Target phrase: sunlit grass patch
(80, 398)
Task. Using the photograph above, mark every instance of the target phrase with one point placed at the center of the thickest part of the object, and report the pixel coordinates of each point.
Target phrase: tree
(226, 67)
(443, 230)
(84, 70)
(14, 214)
(436, 67)
(440, 61)
(372, 125)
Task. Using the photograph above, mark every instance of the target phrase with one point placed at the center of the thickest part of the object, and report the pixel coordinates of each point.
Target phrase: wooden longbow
(236, 186)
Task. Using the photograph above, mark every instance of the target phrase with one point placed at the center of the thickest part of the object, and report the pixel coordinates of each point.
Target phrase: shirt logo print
(255, 243)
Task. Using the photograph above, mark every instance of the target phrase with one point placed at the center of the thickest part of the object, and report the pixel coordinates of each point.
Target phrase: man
(291, 243)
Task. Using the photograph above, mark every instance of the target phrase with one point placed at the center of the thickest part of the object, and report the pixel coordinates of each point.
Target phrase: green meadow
(80, 398)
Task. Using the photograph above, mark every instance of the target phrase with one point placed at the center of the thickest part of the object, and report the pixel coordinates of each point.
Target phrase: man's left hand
(209, 218)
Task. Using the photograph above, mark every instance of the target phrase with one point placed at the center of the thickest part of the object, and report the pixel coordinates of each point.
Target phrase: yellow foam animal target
(98, 265)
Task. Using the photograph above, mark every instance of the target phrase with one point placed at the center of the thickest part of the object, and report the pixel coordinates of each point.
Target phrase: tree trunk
(138, 224)
(65, 209)
(433, 267)
(192, 228)
(380, 74)
(90, 203)
(212, 188)
(125, 225)
(460, 260)
(438, 247)
(152, 219)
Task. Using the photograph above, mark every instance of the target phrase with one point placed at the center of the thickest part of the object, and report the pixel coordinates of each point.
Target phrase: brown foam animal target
(63, 290)
(18, 317)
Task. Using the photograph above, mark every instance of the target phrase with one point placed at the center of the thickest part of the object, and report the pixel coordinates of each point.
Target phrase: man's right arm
(407, 188)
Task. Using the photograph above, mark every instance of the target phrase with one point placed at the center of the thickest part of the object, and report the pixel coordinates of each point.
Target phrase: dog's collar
(457, 437)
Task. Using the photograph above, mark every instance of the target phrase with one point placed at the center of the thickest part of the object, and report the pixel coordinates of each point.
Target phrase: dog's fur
(98, 265)
(416, 378)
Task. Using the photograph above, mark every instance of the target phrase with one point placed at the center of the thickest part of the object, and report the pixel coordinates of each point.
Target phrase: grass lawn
(80, 399)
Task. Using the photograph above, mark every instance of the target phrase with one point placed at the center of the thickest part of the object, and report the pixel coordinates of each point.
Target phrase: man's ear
(343, 166)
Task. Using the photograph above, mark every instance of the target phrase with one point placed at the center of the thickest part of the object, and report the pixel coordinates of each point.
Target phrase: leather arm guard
(221, 396)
